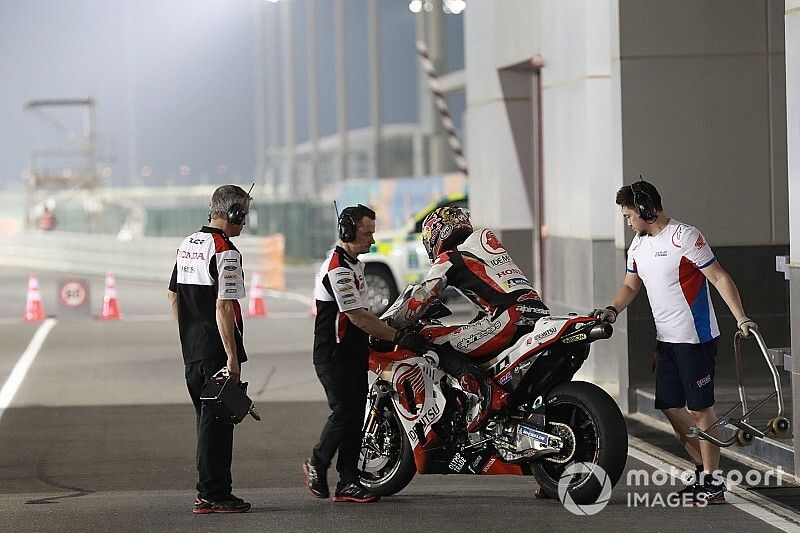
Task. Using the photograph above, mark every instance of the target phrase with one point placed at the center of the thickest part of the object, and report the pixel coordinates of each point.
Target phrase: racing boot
(493, 399)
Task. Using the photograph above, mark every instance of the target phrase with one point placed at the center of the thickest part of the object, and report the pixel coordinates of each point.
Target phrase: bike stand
(745, 431)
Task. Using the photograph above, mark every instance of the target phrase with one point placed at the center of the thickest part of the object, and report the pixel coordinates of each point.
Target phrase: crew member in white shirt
(675, 263)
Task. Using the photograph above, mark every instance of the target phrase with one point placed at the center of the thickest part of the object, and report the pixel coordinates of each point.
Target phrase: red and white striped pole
(441, 105)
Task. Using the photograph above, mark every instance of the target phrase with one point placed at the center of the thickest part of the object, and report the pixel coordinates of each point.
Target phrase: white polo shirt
(669, 265)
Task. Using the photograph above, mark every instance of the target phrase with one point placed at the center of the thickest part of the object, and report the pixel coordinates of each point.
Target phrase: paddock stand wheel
(743, 438)
(779, 425)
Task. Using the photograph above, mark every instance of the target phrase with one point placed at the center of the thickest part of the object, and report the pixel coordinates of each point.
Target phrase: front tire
(600, 438)
(387, 459)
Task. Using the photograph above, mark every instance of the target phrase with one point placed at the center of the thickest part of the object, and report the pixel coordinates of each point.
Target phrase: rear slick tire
(601, 438)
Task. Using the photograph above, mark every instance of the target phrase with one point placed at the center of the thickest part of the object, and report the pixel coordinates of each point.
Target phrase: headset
(347, 226)
(643, 202)
(237, 211)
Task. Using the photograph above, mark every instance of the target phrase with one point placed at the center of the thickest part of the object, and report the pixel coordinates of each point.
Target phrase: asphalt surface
(99, 436)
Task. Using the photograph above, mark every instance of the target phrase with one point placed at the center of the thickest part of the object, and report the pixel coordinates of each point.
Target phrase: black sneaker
(228, 505)
(711, 494)
(689, 492)
(540, 494)
(353, 492)
(316, 480)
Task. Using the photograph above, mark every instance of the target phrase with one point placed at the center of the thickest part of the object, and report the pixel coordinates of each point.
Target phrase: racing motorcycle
(417, 415)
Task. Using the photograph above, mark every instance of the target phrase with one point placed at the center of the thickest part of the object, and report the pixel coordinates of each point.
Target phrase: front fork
(383, 393)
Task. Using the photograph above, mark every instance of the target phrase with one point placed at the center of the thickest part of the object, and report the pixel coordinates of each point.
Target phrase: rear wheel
(387, 459)
(594, 432)
(381, 289)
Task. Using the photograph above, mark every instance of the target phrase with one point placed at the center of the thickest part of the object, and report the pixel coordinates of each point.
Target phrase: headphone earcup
(236, 214)
(347, 228)
(643, 202)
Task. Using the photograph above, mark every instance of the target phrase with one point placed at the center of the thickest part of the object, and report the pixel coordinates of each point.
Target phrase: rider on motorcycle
(474, 262)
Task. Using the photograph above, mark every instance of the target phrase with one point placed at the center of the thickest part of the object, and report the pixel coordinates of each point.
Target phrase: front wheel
(594, 432)
(387, 459)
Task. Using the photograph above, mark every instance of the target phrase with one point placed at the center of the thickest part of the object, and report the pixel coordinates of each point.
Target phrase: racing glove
(607, 314)
(746, 326)
(412, 341)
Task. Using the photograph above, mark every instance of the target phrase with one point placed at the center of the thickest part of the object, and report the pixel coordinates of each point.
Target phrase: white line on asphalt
(740, 498)
(21, 368)
(11, 321)
(290, 296)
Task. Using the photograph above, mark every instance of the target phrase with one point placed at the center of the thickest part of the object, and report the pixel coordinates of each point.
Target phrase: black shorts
(685, 375)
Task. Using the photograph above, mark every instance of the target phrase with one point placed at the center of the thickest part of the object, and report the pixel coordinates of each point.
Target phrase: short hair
(223, 198)
(358, 212)
(625, 195)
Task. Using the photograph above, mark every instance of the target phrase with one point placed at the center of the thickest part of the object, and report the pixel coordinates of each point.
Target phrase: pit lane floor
(99, 436)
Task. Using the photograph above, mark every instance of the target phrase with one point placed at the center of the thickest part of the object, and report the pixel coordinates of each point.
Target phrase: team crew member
(341, 354)
(206, 286)
(476, 263)
(675, 263)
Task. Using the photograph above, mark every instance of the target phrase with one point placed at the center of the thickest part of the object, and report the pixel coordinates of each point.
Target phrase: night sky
(173, 79)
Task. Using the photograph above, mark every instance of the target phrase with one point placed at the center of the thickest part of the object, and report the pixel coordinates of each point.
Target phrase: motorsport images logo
(584, 471)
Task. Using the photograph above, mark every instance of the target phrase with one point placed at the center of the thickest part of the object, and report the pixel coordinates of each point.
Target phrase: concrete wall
(582, 165)
(703, 94)
(581, 148)
(792, 25)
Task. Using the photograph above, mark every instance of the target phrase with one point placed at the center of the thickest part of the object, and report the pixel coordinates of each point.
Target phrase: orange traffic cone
(256, 305)
(110, 303)
(34, 310)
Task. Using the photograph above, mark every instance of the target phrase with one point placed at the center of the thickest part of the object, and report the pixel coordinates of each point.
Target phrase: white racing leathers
(482, 270)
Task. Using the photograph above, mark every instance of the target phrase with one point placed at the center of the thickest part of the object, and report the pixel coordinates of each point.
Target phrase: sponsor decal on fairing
(472, 338)
(546, 333)
(574, 338)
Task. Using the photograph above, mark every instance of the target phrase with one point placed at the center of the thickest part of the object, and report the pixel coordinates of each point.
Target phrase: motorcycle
(417, 415)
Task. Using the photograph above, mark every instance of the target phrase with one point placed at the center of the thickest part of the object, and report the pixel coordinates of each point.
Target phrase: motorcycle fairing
(510, 366)
(419, 400)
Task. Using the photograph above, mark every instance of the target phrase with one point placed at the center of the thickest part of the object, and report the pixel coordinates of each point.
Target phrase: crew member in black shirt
(206, 286)
(341, 355)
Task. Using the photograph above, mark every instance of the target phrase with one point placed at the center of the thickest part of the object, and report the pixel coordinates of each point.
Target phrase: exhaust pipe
(600, 331)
